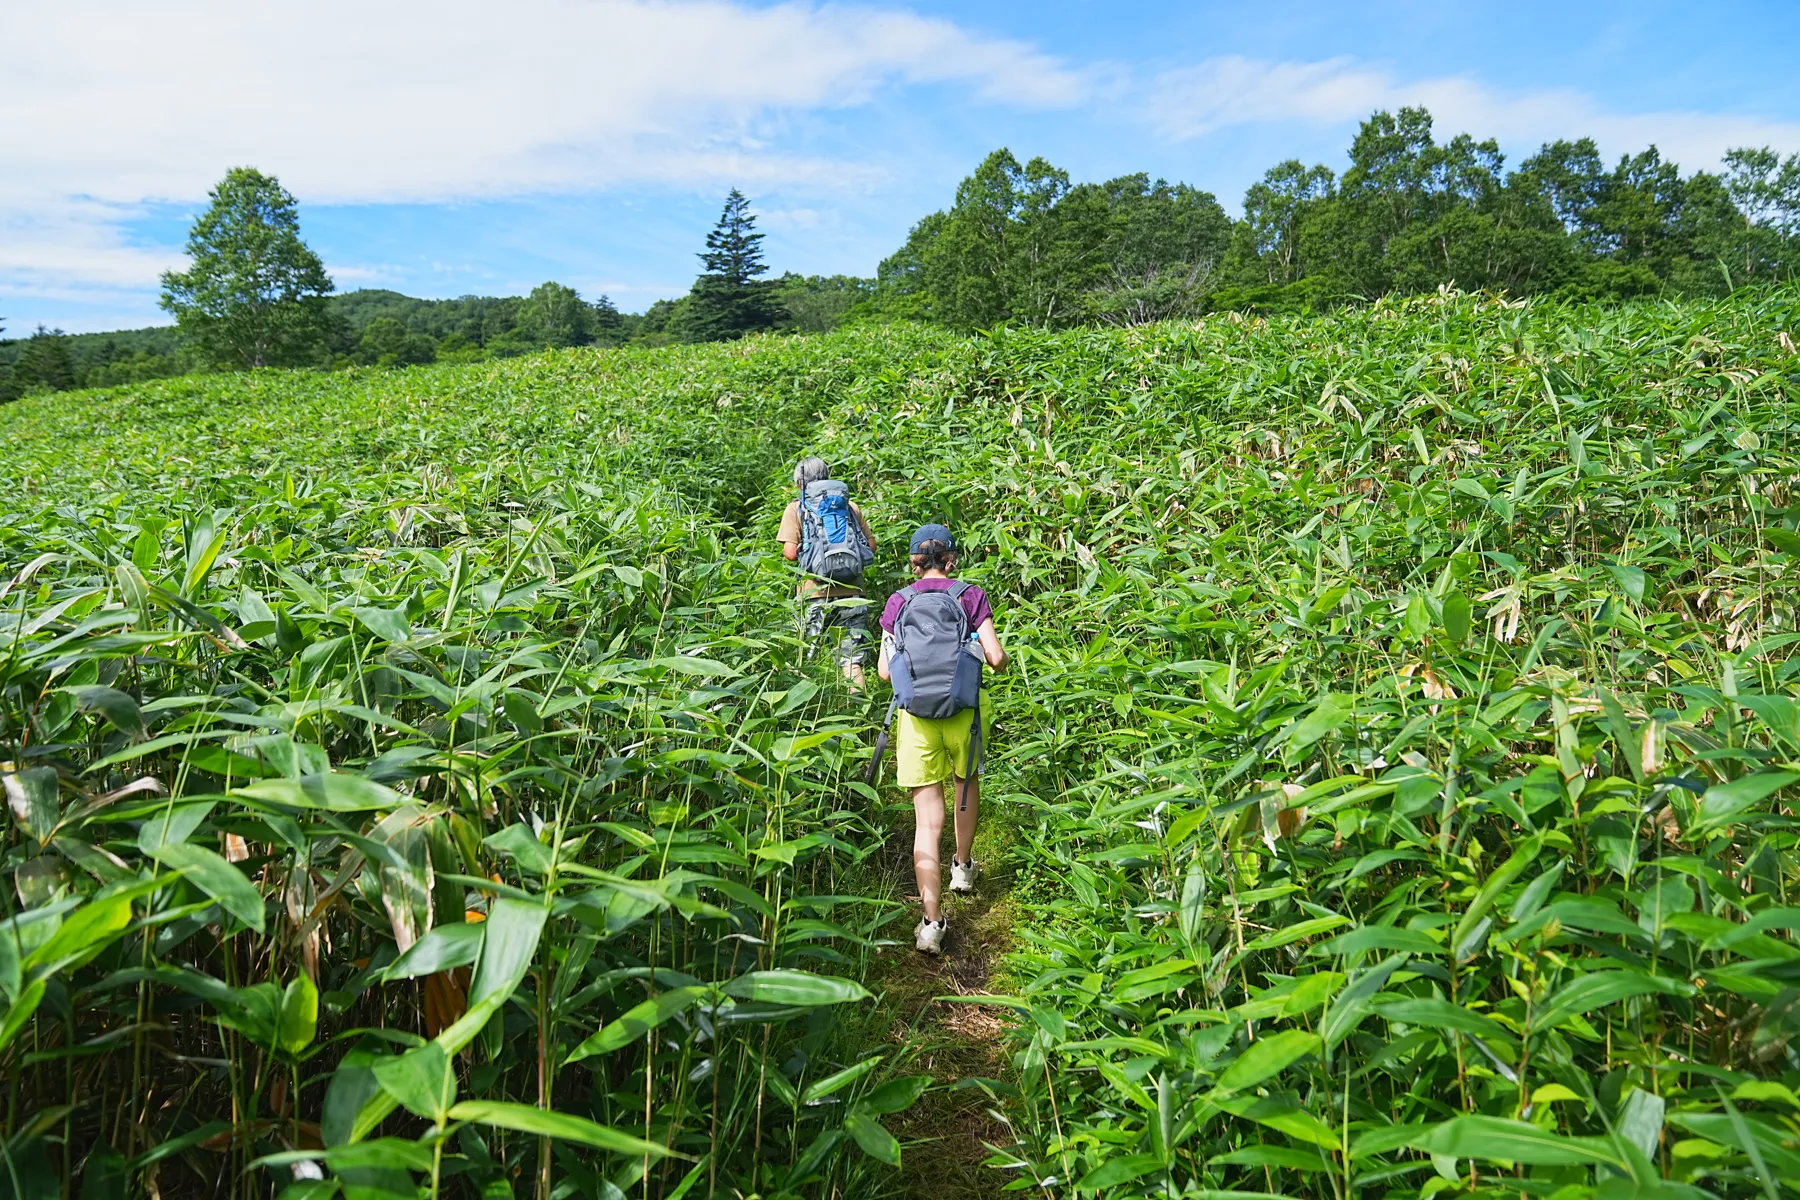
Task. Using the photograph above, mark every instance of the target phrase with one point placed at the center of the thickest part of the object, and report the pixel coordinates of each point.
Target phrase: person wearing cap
(930, 753)
(829, 604)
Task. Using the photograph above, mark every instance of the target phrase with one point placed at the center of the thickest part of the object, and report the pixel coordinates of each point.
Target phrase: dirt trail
(946, 1135)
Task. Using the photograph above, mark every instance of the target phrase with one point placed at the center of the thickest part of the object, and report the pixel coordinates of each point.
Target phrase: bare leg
(854, 673)
(928, 813)
(968, 790)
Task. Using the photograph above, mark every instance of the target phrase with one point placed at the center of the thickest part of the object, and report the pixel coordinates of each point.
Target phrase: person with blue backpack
(824, 533)
(937, 635)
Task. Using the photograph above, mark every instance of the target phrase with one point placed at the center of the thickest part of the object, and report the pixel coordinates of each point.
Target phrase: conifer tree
(729, 301)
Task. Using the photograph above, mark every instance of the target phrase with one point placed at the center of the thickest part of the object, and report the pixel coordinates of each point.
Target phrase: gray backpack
(832, 545)
(935, 666)
(936, 669)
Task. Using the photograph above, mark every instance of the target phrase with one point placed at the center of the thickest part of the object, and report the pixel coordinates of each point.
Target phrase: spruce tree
(729, 301)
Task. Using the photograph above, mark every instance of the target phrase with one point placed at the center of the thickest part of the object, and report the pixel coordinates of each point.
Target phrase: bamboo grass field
(417, 786)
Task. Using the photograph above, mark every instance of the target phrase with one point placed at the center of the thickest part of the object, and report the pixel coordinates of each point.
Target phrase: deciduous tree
(254, 293)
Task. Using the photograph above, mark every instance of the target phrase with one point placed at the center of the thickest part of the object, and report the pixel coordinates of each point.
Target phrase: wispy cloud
(366, 100)
(1191, 102)
(111, 103)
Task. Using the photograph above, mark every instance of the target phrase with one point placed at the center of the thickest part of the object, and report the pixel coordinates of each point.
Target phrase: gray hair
(810, 470)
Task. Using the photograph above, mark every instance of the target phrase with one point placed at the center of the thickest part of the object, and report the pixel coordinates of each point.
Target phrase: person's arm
(789, 534)
(881, 660)
(868, 534)
(990, 646)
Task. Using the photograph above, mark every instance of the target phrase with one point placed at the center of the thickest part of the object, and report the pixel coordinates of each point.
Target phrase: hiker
(825, 533)
(937, 633)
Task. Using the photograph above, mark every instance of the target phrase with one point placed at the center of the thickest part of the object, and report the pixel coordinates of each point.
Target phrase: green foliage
(1399, 763)
(43, 364)
(253, 294)
(555, 316)
(385, 342)
(1402, 751)
(1021, 243)
(403, 782)
(819, 303)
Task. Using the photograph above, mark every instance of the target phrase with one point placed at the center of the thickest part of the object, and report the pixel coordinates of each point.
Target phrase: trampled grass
(416, 782)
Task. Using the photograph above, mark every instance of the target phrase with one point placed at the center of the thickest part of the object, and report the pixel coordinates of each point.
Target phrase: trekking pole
(975, 748)
(881, 744)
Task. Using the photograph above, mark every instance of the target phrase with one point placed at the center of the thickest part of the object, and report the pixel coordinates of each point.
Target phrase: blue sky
(466, 147)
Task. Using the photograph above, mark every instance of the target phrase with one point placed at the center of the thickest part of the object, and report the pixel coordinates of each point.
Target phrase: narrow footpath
(946, 1136)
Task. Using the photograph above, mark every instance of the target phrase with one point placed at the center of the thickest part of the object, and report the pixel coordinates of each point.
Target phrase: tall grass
(1403, 744)
(417, 785)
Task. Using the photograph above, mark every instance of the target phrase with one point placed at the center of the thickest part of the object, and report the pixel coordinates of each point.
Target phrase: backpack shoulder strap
(907, 594)
(958, 587)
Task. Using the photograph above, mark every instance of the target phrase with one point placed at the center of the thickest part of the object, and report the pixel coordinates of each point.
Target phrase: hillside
(1392, 792)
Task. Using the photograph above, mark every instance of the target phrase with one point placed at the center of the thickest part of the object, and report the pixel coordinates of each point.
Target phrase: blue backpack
(832, 545)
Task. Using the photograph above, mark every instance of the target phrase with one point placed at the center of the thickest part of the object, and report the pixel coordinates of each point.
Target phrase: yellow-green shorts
(928, 751)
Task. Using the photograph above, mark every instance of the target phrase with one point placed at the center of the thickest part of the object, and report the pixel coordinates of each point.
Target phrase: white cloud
(1192, 102)
(379, 100)
(105, 104)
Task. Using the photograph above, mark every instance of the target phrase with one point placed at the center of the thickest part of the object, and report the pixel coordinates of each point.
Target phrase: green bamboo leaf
(1356, 1001)
(1281, 1114)
(875, 1141)
(1458, 615)
(1438, 1014)
(1290, 1158)
(443, 948)
(333, 792)
(1498, 882)
(209, 872)
(1601, 988)
(1726, 802)
(388, 624)
(422, 1080)
(1620, 726)
(1514, 1141)
(1298, 931)
(518, 843)
(544, 1122)
(1117, 1171)
(120, 710)
(1365, 938)
(840, 1080)
(1631, 579)
(784, 986)
(298, 1023)
(1330, 713)
(634, 1023)
(20, 1011)
(33, 798)
(202, 551)
(1266, 1057)
(703, 667)
(896, 1095)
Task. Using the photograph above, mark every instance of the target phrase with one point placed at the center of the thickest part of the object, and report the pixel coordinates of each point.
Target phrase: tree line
(1018, 243)
(1409, 214)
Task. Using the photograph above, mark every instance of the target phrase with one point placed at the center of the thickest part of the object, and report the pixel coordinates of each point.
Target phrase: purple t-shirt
(974, 602)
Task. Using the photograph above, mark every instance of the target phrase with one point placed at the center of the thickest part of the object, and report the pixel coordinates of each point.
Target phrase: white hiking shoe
(928, 938)
(964, 876)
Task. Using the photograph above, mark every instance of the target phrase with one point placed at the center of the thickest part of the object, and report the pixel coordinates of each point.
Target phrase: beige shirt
(790, 533)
